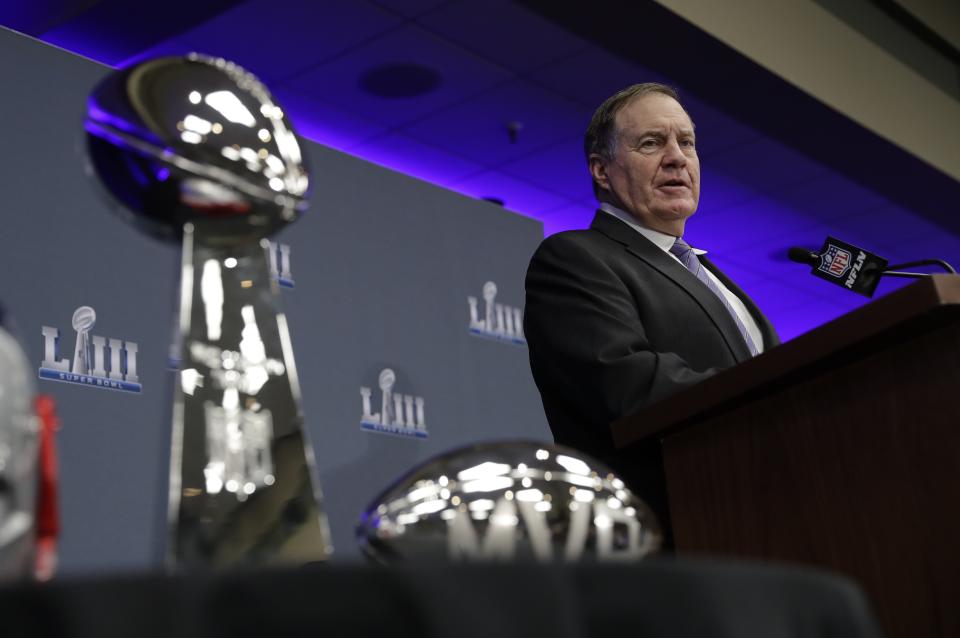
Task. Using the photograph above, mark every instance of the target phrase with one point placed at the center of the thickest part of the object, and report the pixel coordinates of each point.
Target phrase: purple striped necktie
(688, 258)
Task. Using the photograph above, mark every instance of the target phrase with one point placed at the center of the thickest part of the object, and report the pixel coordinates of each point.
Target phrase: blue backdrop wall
(383, 268)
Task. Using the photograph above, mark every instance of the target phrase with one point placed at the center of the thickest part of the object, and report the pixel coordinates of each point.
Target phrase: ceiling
(490, 99)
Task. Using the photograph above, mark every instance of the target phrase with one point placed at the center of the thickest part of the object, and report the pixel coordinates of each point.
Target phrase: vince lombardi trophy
(194, 149)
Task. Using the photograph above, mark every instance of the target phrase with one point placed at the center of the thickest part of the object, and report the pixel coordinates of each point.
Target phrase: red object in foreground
(48, 513)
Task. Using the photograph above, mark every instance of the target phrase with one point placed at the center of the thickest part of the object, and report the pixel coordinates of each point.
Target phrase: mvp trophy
(195, 149)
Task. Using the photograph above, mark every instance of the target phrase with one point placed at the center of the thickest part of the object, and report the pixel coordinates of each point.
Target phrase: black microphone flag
(845, 265)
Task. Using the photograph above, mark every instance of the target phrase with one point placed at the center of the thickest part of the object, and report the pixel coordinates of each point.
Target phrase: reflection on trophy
(19, 461)
(196, 149)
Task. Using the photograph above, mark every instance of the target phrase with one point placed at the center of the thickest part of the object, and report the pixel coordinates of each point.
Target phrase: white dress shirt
(665, 243)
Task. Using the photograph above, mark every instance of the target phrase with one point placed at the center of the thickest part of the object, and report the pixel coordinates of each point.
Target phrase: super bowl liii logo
(401, 414)
(90, 357)
(499, 321)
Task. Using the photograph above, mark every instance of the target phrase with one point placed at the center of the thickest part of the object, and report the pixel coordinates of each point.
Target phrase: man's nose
(673, 154)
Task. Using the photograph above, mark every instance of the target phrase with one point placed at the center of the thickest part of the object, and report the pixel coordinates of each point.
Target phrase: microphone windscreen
(803, 256)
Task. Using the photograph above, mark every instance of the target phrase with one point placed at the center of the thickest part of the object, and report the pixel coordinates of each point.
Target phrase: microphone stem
(925, 262)
(911, 275)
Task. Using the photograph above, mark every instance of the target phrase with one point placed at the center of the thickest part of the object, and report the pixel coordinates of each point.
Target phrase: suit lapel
(642, 248)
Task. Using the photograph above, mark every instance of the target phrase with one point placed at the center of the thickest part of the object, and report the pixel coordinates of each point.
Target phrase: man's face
(655, 173)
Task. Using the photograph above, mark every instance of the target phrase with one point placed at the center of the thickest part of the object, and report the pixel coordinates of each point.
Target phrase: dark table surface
(663, 597)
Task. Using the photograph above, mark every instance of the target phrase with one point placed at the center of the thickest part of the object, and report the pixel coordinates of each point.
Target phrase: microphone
(803, 256)
(854, 268)
(843, 264)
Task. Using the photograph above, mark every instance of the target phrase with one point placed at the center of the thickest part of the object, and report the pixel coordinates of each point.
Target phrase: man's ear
(598, 171)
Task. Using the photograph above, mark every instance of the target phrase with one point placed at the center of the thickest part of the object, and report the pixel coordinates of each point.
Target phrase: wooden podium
(840, 449)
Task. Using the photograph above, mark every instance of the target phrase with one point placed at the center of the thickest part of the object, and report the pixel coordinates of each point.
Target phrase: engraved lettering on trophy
(604, 519)
(279, 257)
(402, 414)
(90, 357)
(238, 448)
(499, 321)
(238, 430)
(499, 540)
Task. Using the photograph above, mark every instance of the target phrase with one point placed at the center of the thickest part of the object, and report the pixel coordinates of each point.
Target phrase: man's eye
(648, 144)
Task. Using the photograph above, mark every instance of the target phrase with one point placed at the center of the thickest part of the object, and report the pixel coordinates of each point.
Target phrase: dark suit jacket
(614, 324)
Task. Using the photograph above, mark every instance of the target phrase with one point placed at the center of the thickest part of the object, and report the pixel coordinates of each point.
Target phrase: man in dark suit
(625, 314)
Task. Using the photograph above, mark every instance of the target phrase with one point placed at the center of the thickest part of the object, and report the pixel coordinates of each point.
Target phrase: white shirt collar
(661, 240)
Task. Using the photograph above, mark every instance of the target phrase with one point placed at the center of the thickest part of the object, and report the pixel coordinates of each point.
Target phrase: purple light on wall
(749, 212)
(567, 217)
(326, 124)
(407, 155)
(516, 194)
(99, 50)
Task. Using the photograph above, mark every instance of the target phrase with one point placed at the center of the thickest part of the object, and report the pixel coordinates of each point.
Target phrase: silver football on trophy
(509, 501)
(19, 461)
(196, 139)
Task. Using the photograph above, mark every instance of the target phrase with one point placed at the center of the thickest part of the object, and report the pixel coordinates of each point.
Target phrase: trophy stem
(242, 486)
